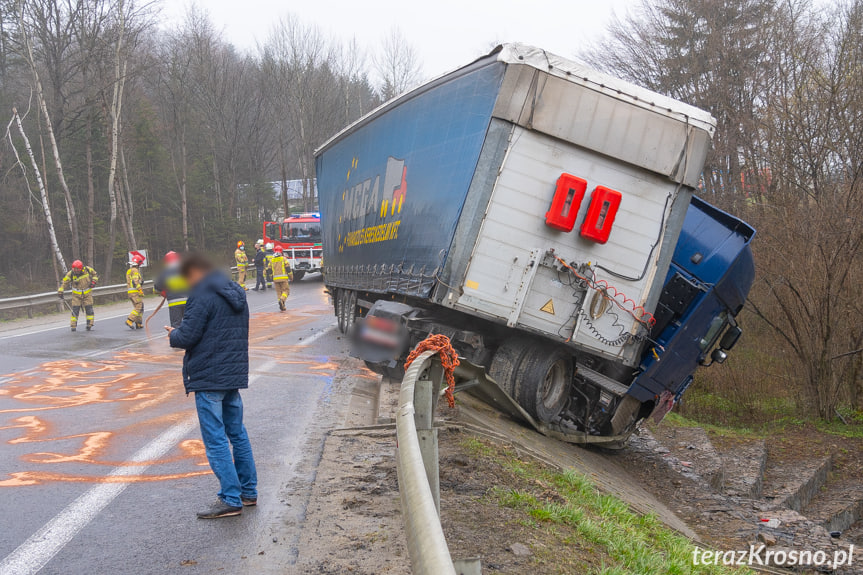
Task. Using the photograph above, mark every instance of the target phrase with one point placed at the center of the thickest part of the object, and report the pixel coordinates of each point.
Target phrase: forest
(124, 132)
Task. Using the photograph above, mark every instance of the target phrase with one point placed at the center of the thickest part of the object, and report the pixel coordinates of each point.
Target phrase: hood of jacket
(230, 291)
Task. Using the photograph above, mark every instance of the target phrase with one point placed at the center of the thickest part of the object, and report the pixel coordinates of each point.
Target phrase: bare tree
(397, 65)
(43, 192)
(41, 13)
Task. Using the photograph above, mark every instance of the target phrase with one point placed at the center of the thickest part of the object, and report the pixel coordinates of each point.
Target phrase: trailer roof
(523, 54)
(577, 73)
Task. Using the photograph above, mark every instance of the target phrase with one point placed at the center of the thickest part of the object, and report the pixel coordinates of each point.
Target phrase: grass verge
(611, 539)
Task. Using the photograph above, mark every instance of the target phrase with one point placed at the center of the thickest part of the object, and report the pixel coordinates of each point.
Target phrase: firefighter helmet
(270, 246)
(240, 244)
(137, 260)
(77, 265)
(172, 257)
(277, 249)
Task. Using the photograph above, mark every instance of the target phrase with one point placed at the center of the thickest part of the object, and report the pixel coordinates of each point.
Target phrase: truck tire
(350, 312)
(298, 275)
(346, 310)
(341, 304)
(543, 381)
(506, 361)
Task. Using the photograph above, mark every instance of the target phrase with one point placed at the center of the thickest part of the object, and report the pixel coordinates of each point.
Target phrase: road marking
(318, 335)
(43, 545)
(32, 555)
(100, 319)
(63, 326)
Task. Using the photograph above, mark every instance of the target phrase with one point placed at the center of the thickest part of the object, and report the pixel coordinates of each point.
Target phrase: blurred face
(194, 276)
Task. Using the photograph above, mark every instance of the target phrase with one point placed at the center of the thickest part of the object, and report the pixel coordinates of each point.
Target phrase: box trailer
(529, 208)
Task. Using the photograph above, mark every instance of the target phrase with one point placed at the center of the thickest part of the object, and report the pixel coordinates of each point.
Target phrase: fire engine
(300, 238)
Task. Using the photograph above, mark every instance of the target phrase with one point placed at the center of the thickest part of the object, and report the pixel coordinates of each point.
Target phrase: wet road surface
(101, 464)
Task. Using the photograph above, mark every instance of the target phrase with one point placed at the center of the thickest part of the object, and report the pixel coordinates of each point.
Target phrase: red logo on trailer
(568, 195)
(604, 203)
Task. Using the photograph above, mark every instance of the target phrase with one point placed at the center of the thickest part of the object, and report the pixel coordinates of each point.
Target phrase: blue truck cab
(711, 273)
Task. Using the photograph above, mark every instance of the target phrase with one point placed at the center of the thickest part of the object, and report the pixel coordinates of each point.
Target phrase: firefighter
(81, 279)
(282, 276)
(135, 289)
(171, 285)
(267, 257)
(260, 266)
(242, 261)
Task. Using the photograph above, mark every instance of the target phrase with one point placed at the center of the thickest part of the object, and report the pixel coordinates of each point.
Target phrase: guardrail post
(472, 566)
(425, 402)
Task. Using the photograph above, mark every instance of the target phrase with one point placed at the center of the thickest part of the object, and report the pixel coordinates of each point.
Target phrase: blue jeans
(220, 414)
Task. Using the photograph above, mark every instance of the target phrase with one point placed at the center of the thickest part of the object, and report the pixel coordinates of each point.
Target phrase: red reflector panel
(604, 204)
(567, 200)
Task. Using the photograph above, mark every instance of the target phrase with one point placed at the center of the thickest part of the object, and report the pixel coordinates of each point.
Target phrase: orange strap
(448, 358)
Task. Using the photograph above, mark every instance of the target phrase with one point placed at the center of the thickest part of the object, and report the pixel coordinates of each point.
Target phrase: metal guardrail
(419, 483)
(27, 301)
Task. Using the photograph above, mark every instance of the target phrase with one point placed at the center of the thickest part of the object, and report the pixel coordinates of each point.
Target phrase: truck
(300, 238)
(542, 216)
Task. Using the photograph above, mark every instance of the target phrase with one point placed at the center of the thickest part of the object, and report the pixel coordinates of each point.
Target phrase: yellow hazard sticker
(471, 284)
(548, 307)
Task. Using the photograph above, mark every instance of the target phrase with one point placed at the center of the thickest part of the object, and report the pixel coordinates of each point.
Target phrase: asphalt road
(101, 464)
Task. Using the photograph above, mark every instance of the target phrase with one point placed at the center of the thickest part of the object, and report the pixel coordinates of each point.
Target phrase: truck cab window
(717, 326)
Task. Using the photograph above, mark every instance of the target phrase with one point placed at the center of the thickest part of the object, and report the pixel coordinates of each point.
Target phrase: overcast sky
(446, 33)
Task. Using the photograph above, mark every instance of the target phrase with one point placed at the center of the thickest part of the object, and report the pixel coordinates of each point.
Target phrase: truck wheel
(298, 275)
(543, 381)
(341, 307)
(350, 311)
(506, 361)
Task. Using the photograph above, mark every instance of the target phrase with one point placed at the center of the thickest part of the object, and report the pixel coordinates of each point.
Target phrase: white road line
(32, 555)
(63, 326)
(317, 336)
(99, 319)
(43, 545)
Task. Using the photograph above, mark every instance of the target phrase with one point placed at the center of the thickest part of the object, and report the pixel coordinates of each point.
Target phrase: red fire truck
(300, 238)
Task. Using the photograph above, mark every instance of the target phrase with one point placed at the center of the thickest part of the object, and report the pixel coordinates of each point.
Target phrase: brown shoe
(248, 501)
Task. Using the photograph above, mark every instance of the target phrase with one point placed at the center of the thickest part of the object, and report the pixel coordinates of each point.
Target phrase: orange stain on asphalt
(62, 384)
(65, 384)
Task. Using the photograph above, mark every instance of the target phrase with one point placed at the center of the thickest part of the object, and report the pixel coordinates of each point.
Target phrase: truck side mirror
(718, 356)
(730, 337)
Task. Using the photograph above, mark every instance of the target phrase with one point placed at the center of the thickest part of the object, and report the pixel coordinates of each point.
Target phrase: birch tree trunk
(71, 215)
(128, 211)
(43, 193)
(116, 109)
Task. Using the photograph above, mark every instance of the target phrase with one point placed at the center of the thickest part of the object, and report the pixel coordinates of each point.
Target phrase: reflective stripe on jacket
(134, 282)
(81, 284)
(280, 267)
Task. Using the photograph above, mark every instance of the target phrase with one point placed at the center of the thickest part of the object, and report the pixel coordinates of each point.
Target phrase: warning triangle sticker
(548, 307)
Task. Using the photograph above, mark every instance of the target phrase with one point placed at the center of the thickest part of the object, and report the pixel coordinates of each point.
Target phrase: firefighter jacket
(281, 269)
(241, 258)
(172, 286)
(80, 283)
(134, 282)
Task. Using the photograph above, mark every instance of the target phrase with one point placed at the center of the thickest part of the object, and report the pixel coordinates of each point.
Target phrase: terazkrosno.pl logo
(775, 556)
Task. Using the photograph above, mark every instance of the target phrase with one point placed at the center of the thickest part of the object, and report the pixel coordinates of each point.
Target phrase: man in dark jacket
(215, 335)
(260, 266)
